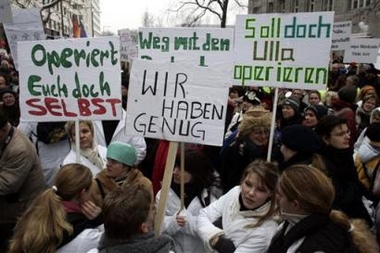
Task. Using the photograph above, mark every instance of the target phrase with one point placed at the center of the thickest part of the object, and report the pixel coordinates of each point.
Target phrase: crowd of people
(318, 193)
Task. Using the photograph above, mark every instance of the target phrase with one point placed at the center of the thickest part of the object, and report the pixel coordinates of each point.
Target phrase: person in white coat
(51, 155)
(119, 134)
(201, 188)
(244, 219)
(92, 155)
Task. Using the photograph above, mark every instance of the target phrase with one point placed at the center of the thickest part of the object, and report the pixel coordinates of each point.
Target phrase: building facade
(59, 19)
(367, 11)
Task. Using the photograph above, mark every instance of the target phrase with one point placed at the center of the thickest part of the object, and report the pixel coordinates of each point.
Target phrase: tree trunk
(223, 22)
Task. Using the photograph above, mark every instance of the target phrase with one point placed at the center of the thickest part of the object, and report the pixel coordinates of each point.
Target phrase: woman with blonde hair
(92, 155)
(243, 220)
(305, 198)
(59, 214)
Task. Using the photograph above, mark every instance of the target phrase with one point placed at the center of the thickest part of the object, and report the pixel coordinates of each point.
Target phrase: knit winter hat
(255, 117)
(347, 94)
(122, 152)
(301, 138)
(318, 110)
(292, 102)
(373, 132)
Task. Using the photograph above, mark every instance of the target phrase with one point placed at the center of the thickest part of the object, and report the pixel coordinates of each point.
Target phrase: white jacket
(119, 135)
(186, 239)
(51, 155)
(72, 158)
(85, 241)
(235, 222)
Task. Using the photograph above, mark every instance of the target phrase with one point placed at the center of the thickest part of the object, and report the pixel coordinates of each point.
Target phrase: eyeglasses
(261, 132)
(342, 134)
(113, 162)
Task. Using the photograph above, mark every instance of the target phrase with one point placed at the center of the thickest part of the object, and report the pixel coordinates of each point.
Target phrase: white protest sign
(290, 50)
(69, 79)
(363, 50)
(5, 12)
(207, 47)
(176, 102)
(27, 26)
(128, 46)
(341, 36)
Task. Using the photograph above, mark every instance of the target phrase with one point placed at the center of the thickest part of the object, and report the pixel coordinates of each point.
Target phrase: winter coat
(147, 243)
(21, 177)
(102, 184)
(84, 242)
(366, 161)
(186, 239)
(72, 158)
(51, 156)
(348, 190)
(236, 224)
(315, 233)
(119, 135)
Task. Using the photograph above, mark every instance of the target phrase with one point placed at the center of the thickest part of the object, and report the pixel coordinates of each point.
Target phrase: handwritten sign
(341, 36)
(283, 50)
(363, 50)
(128, 46)
(206, 47)
(69, 79)
(176, 102)
(27, 26)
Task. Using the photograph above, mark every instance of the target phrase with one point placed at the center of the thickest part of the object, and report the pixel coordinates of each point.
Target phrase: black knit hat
(292, 102)
(348, 94)
(301, 139)
(373, 132)
(318, 110)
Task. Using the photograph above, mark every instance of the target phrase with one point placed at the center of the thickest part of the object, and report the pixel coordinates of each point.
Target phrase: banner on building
(290, 50)
(69, 79)
(176, 102)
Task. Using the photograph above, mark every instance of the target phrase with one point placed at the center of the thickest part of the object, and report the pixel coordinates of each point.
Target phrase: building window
(328, 5)
(296, 5)
(356, 4)
(270, 8)
(311, 5)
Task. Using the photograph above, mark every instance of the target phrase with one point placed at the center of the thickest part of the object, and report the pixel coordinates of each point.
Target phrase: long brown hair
(42, 226)
(267, 173)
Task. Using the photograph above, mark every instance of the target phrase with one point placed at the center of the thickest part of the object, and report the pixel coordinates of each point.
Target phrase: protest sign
(290, 50)
(176, 102)
(128, 46)
(206, 47)
(69, 79)
(363, 50)
(341, 36)
(27, 26)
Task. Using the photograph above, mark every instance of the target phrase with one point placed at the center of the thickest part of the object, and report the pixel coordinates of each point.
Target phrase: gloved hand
(224, 245)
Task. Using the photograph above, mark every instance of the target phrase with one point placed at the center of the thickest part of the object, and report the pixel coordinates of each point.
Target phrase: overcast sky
(119, 14)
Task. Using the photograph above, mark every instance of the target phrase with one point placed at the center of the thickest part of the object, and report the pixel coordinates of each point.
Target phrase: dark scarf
(298, 158)
(12, 113)
(321, 235)
(190, 192)
(147, 243)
